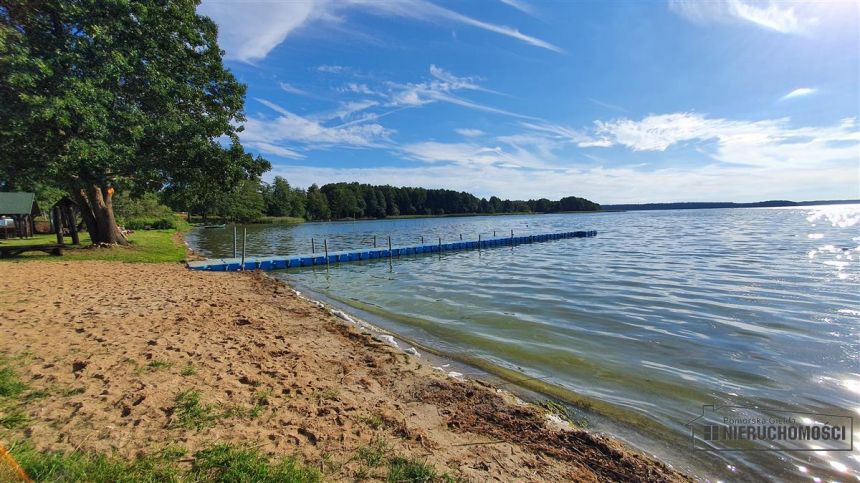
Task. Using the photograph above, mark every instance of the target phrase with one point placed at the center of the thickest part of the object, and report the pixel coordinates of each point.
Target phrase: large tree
(98, 94)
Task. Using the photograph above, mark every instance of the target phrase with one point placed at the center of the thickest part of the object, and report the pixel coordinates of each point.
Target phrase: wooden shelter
(21, 208)
(63, 218)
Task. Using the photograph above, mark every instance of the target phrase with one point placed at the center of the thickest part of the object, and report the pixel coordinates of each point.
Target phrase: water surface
(660, 313)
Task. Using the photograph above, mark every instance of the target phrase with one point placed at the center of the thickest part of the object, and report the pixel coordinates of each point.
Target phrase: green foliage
(282, 200)
(317, 204)
(144, 213)
(218, 463)
(93, 94)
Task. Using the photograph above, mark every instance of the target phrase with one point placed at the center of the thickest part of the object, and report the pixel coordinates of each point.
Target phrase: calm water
(660, 313)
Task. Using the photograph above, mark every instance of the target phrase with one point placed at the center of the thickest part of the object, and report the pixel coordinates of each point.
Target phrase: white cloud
(250, 31)
(800, 92)
(469, 132)
(772, 143)
(292, 89)
(780, 17)
(294, 129)
(332, 69)
(268, 148)
(521, 6)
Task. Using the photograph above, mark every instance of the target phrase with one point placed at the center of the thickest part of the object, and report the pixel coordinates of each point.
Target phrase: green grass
(10, 385)
(190, 413)
(188, 370)
(217, 463)
(378, 454)
(150, 246)
(224, 463)
(411, 470)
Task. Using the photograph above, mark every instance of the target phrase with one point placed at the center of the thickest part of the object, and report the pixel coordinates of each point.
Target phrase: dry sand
(89, 332)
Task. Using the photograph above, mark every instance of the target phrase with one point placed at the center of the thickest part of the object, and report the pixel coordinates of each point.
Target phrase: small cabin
(17, 214)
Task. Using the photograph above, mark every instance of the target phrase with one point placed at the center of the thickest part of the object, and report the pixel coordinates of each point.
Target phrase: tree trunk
(97, 212)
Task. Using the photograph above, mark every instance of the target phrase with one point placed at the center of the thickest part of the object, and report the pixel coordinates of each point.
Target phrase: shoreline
(242, 337)
(638, 430)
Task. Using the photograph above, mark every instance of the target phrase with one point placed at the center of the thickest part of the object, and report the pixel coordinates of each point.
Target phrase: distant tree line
(251, 199)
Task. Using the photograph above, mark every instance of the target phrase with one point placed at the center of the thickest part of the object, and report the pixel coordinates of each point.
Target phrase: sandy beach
(113, 344)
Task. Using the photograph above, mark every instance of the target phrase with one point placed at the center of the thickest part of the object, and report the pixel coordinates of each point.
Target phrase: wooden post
(479, 242)
(325, 247)
(494, 233)
(461, 237)
(244, 245)
(235, 241)
(422, 239)
(66, 211)
(313, 247)
(374, 241)
(58, 224)
(389, 248)
(512, 239)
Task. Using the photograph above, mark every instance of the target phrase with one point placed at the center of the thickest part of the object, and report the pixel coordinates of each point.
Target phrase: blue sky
(617, 101)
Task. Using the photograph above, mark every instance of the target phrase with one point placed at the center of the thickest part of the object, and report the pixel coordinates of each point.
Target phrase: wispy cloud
(780, 17)
(292, 89)
(607, 105)
(800, 92)
(521, 6)
(249, 33)
(288, 130)
(469, 132)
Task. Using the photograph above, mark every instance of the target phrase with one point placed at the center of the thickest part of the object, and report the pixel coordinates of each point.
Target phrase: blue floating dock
(310, 260)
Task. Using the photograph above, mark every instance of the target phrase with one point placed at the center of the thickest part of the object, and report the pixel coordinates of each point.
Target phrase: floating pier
(316, 259)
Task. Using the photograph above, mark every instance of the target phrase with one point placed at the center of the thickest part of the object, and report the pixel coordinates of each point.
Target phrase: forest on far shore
(252, 200)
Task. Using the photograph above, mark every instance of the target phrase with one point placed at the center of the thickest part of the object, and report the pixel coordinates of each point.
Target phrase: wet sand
(114, 343)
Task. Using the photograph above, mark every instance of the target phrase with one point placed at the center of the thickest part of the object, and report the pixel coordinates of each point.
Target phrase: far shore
(128, 359)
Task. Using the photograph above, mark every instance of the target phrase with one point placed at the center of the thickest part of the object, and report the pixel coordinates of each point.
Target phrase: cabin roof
(18, 204)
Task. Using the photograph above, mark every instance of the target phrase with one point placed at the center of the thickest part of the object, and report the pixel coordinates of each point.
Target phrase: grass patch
(150, 246)
(329, 394)
(375, 421)
(218, 463)
(73, 391)
(261, 402)
(379, 454)
(13, 419)
(190, 413)
(411, 470)
(374, 454)
(10, 385)
(188, 370)
(224, 463)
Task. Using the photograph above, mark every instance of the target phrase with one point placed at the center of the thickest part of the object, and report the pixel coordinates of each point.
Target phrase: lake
(661, 313)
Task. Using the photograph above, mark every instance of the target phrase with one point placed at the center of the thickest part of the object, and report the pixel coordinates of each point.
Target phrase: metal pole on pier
(512, 239)
(374, 241)
(234, 240)
(479, 242)
(494, 233)
(389, 248)
(244, 244)
(313, 247)
(461, 236)
(325, 247)
(422, 239)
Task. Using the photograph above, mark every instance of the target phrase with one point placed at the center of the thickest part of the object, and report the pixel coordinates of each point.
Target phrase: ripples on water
(661, 313)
